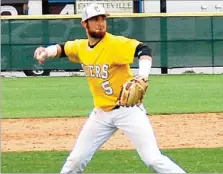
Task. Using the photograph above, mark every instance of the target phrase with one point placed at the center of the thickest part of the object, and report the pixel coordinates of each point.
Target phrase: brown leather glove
(133, 91)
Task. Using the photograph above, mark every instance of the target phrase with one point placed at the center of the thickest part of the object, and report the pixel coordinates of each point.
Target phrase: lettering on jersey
(105, 68)
(96, 71)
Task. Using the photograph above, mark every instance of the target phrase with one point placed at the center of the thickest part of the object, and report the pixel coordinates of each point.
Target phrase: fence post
(10, 45)
(163, 35)
(163, 45)
(212, 44)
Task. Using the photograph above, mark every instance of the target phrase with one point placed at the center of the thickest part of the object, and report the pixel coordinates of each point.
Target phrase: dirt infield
(172, 131)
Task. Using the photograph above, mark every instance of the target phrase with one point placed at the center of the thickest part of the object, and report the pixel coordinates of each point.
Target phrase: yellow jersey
(106, 66)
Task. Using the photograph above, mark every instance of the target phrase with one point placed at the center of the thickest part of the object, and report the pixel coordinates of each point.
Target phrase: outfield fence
(178, 40)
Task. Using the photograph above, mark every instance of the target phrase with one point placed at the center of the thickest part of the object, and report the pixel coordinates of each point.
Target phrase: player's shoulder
(81, 41)
(119, 38)
(115, 37)
(78, 42)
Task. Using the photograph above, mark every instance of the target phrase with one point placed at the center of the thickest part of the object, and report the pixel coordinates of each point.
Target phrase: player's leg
(94, 134)
(136, 125)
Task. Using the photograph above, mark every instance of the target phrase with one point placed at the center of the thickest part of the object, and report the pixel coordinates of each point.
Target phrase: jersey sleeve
(124, 50)
(71, 50)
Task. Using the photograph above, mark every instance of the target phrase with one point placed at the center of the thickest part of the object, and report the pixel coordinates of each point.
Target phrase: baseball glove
(133, 91)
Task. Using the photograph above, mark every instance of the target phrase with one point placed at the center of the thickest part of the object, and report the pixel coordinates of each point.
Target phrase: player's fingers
(41, 55)
(37, 54)
(41, 62)
(36, 51)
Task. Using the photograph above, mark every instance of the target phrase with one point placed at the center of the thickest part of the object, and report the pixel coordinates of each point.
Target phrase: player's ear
(84, 24)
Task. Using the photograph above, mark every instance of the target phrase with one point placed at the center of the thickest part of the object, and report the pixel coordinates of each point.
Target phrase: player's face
(96, 26)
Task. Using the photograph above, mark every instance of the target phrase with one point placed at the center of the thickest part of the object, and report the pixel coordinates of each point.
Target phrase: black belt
(116, 107)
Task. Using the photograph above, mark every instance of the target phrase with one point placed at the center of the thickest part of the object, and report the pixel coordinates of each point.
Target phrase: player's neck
(93, 41)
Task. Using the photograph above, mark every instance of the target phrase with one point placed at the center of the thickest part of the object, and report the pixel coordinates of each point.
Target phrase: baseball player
(117, 94)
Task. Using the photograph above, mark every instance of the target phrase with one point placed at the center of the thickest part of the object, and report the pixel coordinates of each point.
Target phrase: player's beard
(96, 35)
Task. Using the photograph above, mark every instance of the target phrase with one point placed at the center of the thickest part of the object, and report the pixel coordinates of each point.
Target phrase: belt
(116, 107)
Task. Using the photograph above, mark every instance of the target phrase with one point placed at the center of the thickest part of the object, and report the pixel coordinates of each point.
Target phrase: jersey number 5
(107, 88)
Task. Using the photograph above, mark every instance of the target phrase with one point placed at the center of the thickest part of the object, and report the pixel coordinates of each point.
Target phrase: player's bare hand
(40, 54)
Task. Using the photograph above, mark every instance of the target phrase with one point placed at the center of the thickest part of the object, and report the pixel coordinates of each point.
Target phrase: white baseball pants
(99, 128)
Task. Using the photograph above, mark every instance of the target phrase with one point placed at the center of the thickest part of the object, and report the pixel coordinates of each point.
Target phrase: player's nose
(101, 21)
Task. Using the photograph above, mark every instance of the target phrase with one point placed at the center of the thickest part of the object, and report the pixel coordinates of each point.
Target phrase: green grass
(192, 160)
(70, 96)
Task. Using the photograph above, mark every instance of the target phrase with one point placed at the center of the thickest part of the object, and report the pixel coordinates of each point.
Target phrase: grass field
(70, 96)
(192, 160)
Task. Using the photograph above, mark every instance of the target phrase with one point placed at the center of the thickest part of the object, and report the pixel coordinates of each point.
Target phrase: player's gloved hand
(40, 54)
(133, 91)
